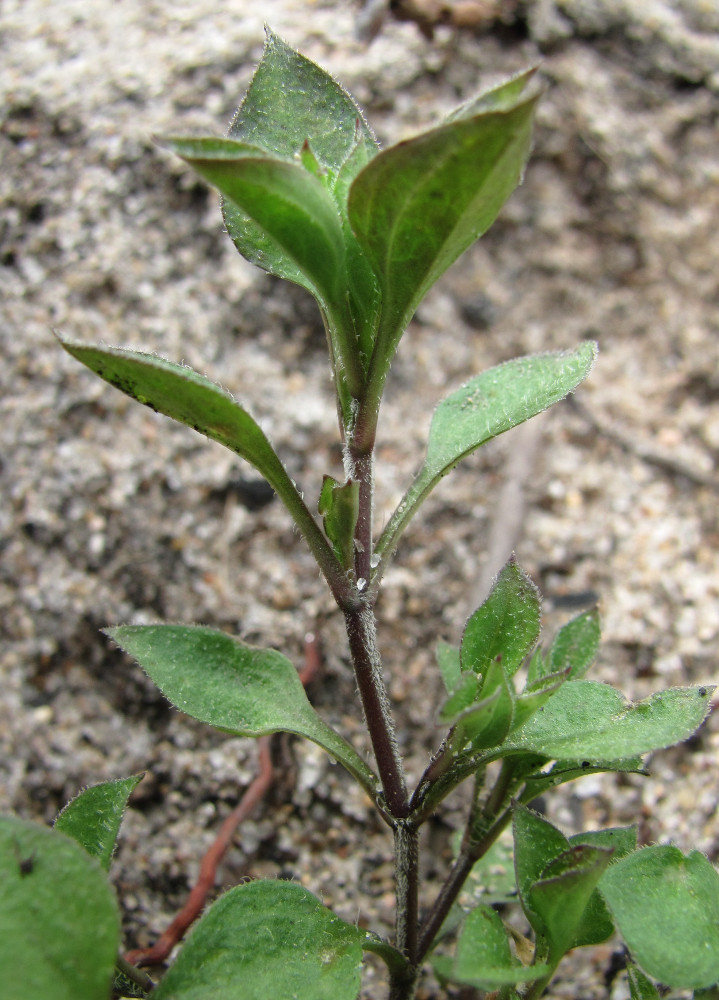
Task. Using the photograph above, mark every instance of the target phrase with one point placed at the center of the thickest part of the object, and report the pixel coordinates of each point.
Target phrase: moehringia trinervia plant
(309, 196)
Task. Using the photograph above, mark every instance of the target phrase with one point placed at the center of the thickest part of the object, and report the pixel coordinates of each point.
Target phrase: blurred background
(111, 514)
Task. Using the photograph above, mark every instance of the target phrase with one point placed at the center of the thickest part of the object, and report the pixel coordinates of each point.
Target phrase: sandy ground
(111, 514)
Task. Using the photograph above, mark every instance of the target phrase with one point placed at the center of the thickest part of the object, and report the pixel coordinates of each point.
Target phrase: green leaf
(339, 507)
(290, 100)
(449, 665)
(192, 399)
(556, 880)
(666, 906)
(536, 844)
(487, 722)
(59, 923)
(492, 879)
(484, 958)
(267, 939)
(488, 405)
(596, 924)
(501, 97)
(417, 206)
(640, 988)
(236, 688)
(531, 701)
(506, 627)
(592, 721)
(294, 229)
(563, 771)
(562, 895)
(94, 816)
(574, 649)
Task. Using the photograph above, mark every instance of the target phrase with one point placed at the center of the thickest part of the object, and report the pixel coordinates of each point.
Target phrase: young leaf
(339, 507)
(596, 924)
(59, 924)
(484, 958)
(658, 895)
(93, 817)
(506, 627)
(192, 399)
(531, 701)
(574, 649)
(562, 895)
(267, 939)
(488, 405)
(640, 988)
(236, 688)
(287, 222)
(536, 844)
(291, 99)
(592, 721)
(501, 97)
(418, 205)
(449, 665)
(487, 722)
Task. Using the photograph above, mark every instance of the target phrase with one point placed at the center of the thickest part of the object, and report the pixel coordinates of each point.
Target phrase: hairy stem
(406, 874)
(362, 635)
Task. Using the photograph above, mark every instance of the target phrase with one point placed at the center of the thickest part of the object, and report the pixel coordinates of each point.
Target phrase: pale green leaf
(94, 816)
(237, 688)
(59, 923)
(267, 939)
(488, 405)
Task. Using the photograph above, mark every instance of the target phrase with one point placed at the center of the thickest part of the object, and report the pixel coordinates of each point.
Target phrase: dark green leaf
(339, 507)
(94, 816)
(267, 939)
(506, 627)
(488, 405)
(417, 206)
(237, 688)
(592, 721)
(59, 924)
(666, 906)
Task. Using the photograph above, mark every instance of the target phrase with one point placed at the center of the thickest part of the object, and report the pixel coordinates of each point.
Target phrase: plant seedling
(309, 196)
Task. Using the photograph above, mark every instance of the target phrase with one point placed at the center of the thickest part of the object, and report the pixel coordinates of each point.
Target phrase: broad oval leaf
(94, 816)
(267, 939)
(488, 405)
(237, 688)
(586, 719)
(59, 923)
(658, 895)
(418, 205)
